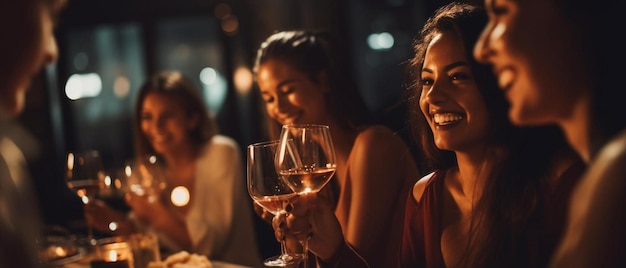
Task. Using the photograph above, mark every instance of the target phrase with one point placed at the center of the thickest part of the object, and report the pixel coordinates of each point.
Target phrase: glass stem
(90, 237)
(305, 253)
(92, 240)
(283, 248)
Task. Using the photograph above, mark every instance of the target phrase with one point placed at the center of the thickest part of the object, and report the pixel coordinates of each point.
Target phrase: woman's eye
(499, 10)
(169, 114)
(288, 90)
(268, 99)
(426, 82)
(460, 76)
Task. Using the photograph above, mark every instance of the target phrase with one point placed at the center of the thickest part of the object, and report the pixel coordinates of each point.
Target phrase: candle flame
(60, 252)
(113, 255)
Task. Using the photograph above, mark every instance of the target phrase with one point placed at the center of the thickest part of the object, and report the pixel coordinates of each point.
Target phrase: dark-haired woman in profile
(302, 79)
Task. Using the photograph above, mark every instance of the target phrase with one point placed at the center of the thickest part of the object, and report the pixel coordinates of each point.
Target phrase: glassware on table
(270, 192)
(145, 247)
(305, 160)
(85, 176)
(111, 252)
(114, 188)
(145, 176)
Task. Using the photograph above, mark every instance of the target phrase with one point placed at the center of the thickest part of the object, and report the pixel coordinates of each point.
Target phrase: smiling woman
(205, 194)
(302, 79)
(497, 194)
(571, 78)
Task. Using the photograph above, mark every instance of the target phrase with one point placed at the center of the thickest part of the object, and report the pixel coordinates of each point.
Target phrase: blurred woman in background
(172, 122)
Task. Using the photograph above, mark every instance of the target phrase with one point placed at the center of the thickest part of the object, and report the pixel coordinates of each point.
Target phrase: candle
(108, 264)
(112, 253)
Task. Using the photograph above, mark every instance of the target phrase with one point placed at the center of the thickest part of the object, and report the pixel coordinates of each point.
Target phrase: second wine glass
(270, 192)
(305, 160)
(145, 176)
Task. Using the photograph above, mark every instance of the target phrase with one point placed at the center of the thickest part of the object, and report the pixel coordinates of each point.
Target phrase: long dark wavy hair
(312, 53)
(179, 89)
(521, 157)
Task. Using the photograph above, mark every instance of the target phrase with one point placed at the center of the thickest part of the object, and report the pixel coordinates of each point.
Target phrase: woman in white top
(172, 123)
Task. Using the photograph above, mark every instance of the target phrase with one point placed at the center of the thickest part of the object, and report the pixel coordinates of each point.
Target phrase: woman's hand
(310, 217)
(146, 207)
(263, 213)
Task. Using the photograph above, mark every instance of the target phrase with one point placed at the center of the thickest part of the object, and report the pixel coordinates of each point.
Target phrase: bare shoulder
(379, 157)
(380, 137)
(380, 144)
(603, 182)
(610, 162)
(420, 186)
(377, 131)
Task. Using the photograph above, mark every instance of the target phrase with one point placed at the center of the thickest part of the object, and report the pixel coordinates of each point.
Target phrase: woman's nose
(158, 123)
(282, 104)
(436, 93)
(51, 50)
(482, 50)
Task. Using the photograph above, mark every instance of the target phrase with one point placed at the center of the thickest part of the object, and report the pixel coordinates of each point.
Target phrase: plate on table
(59, 250)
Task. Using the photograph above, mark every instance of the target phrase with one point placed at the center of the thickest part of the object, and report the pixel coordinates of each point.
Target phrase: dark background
(124, 41)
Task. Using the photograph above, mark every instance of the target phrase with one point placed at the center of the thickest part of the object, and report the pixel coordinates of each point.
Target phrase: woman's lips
(443, 119)
(289, 119)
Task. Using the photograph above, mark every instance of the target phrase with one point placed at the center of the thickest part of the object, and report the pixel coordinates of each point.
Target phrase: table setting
(86, 176)
(135, 251)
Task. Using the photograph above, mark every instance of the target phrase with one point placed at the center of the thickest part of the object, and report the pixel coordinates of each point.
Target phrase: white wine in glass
(305, 160)
(270, 192)
(306, 157)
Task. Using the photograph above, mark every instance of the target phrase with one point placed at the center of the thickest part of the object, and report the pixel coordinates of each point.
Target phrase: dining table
(84, 262)
(79, 253)
(83, 258)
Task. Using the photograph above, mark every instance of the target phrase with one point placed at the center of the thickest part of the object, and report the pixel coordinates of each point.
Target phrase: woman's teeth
(505, 79)
(446, 119)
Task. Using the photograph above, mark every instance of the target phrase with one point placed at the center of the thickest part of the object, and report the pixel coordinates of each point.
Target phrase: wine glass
(305, 160)
(270, 192)
(145, 176)
(113, 191)
(85, 176)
